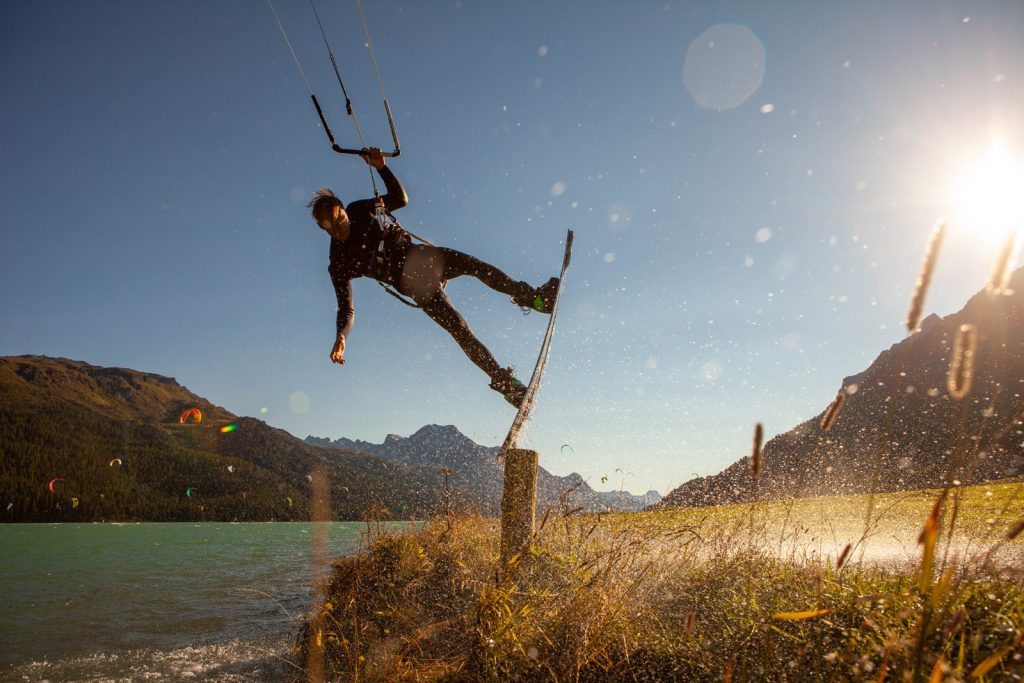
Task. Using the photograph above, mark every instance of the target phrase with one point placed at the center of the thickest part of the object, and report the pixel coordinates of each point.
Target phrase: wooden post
(518, 502)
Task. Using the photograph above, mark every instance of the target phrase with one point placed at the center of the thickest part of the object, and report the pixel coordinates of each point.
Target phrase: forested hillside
(84, 443)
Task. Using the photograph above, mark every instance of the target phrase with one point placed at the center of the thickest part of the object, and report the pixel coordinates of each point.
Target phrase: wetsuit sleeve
(396, 197)
(346, 309)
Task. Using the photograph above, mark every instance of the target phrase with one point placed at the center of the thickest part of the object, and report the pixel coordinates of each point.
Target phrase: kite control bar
(361, 152)
(348, 103)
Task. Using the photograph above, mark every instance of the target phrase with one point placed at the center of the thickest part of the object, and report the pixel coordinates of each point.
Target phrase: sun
(990, 195)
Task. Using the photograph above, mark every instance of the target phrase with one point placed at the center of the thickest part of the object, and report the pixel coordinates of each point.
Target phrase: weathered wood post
(518, 502)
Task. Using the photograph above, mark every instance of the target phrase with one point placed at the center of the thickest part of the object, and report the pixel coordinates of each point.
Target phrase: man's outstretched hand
(338, 352)
(374, 157)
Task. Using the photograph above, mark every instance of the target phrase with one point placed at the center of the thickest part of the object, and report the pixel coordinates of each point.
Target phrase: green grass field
(881, 528)
(736, 593)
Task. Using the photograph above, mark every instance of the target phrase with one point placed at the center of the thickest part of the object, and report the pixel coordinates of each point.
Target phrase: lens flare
(990, 194)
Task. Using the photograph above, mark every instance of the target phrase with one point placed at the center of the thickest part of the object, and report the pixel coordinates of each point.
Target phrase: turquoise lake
(161, 601)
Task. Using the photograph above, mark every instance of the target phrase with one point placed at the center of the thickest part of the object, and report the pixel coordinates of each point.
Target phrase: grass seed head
(999, 281)
(924, 278)
(755, 456)
(730, 665)
(961, 366)
(844, 556)
(691, 622)
(833, 411)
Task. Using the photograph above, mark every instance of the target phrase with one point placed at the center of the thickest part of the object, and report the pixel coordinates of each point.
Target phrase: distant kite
(193, 413)
(565, 445)
(231, 468)
(74, 502)
(117, 460)
(289, 499)
(228, 428)
(52, 482)
(189, 490)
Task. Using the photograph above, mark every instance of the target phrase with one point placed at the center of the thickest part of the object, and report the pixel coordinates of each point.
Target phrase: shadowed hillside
(110, 441)
(899, 428)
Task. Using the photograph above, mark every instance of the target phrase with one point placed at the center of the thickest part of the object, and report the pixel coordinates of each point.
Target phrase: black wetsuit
(369, 251)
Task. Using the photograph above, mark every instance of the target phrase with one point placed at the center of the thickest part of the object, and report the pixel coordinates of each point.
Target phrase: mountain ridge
(477, 466)
(898, 427)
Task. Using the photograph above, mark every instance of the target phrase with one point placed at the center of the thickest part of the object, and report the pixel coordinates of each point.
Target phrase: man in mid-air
(363, 246)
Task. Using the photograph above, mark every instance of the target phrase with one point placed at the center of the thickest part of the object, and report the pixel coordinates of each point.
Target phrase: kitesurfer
(364, 245)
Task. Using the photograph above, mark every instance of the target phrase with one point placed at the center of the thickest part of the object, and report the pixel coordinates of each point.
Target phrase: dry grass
(685, 595)
(999, 281)
(924, 277)
(961, 366)
(829, 418)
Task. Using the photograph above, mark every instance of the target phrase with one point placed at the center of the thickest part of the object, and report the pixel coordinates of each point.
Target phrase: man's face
(335, 223)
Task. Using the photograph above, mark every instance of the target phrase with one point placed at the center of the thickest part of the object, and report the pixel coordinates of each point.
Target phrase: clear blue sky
(751, 185)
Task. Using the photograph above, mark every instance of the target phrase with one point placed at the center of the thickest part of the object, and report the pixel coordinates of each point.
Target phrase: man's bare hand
(374, 157)
(338, 352)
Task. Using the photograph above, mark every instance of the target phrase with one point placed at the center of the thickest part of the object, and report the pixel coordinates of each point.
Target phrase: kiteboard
(526, 407)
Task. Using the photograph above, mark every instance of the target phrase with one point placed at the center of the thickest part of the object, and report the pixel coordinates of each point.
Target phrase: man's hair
(323, 199)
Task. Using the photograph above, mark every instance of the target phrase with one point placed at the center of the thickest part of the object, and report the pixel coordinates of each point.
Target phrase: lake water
(157, 601)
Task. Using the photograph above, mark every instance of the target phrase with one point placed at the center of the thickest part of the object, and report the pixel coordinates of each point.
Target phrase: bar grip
(323, 119)
(361, 152)
(394, 135)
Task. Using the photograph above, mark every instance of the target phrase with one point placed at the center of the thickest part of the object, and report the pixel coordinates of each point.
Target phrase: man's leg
(456, 264)
(441, 310)
(540, 298)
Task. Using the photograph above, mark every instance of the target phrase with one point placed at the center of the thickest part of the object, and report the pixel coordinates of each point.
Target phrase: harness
(392, 236)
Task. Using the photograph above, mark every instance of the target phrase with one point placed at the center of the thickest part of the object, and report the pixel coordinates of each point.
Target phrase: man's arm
(396, 197)
(346, 316)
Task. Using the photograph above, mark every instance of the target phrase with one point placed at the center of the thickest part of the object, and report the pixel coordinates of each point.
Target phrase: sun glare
(990, 195)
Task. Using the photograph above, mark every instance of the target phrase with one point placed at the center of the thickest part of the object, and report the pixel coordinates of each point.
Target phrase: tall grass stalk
(829, 418)
(999, 281)
(924, 277)
(961, 365)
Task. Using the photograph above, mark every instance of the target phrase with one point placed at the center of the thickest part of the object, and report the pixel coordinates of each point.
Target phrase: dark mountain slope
(899, 427)
(112, 441)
